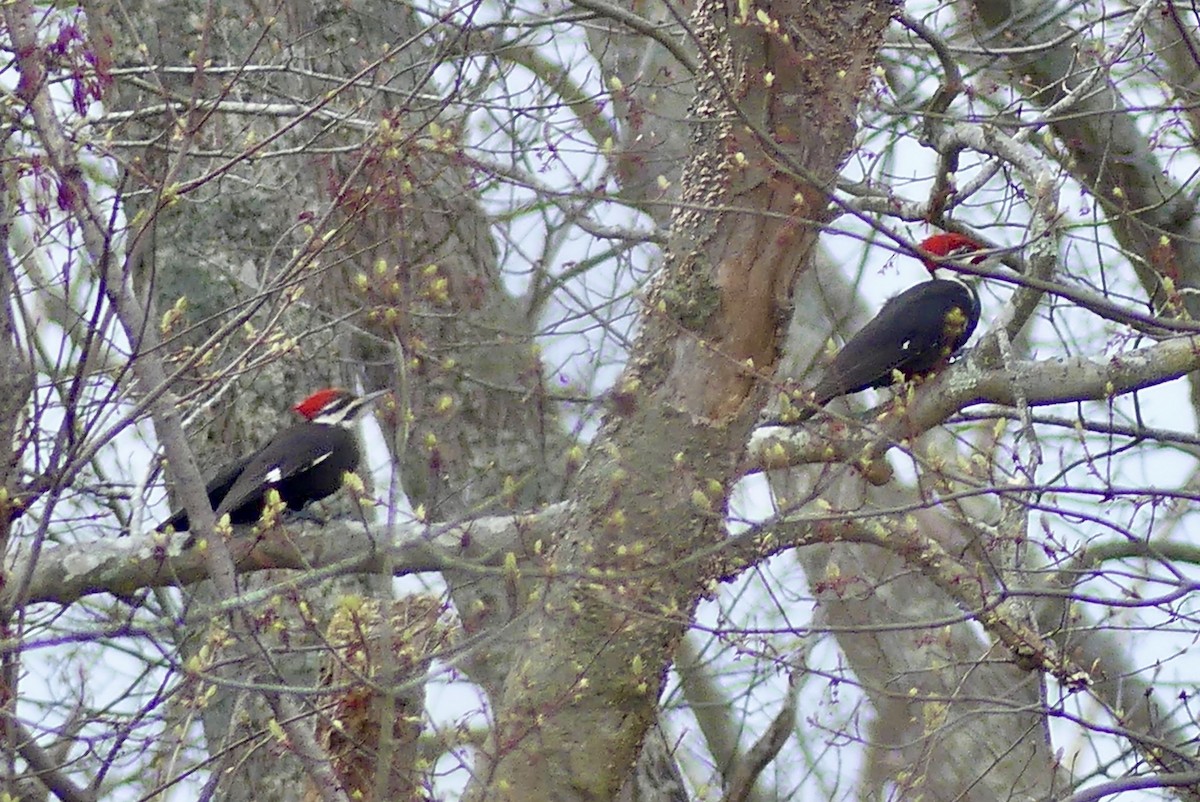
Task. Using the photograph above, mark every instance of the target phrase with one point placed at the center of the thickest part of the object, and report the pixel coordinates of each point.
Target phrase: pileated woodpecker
(304, 462)
(914, 333)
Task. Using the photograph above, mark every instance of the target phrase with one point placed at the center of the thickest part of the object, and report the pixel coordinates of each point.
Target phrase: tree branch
(47, 769)
(749, 767)
(1042, 382)
(68, 573)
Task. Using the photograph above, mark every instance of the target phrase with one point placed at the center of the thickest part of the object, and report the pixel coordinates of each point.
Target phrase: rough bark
(250, 233)
(577, 704)
(651, 92)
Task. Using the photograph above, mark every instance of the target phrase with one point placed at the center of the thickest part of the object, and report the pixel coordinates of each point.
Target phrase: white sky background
(580, 353)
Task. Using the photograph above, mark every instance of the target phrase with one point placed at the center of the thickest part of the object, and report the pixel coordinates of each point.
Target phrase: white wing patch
(904, 346)
(275, 475)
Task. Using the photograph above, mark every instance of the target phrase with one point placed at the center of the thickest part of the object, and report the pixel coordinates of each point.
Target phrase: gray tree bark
(455, 346)
(667, 454)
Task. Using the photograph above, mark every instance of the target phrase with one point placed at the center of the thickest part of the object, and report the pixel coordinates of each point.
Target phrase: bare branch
(747, 769)
(339, 547)
(1043, 382)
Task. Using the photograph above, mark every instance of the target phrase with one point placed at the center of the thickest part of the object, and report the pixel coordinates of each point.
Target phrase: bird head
(944, 246)
(335, 406)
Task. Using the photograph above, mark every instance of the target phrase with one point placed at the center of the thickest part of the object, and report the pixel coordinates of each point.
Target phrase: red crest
(310, 407)
(943, 245)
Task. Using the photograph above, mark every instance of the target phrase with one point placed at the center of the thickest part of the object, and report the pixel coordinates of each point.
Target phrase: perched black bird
(914, 333)
(305, 462)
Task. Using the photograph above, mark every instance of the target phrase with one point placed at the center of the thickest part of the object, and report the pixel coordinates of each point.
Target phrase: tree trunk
(577, 704)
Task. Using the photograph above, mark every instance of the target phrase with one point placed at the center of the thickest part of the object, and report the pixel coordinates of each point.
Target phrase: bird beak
(371, 398)
(359, 407)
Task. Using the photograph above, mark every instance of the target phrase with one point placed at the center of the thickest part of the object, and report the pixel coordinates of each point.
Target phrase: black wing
(217, 488)
(913, 333)
(314, 455)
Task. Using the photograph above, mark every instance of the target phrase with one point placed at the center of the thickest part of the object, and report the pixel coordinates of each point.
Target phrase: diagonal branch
(1040, 383)
(751, 765)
